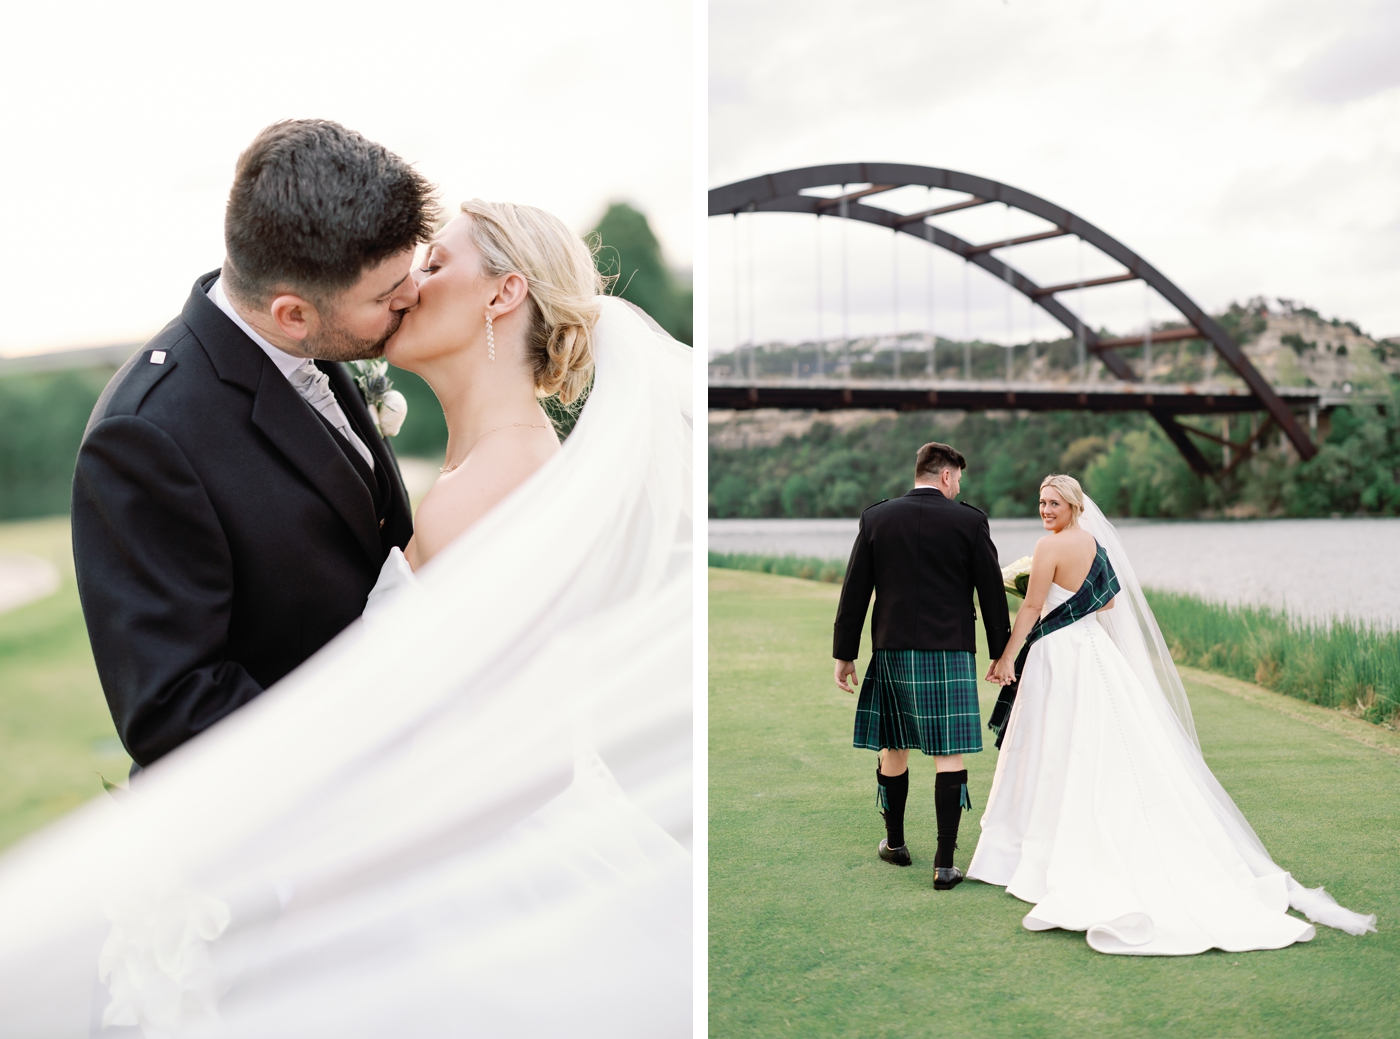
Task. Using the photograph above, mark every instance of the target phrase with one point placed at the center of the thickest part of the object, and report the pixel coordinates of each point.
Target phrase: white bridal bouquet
(1017, 576)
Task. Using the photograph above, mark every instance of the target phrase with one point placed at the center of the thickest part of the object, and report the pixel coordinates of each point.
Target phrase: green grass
(810, 935)
(1347, 664)
(55, 732)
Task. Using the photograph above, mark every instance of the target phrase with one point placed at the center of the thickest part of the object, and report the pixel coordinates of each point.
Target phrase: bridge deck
(919, 395)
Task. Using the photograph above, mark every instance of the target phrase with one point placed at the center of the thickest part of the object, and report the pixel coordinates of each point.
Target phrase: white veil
(1132, 626)
(468, 815)
(1133, 629)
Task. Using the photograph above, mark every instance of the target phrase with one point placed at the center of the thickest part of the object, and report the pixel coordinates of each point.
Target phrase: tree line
(1125, 462)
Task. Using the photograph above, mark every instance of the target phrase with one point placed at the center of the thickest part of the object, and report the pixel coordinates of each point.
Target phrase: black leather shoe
(899, 856)
(946, 878)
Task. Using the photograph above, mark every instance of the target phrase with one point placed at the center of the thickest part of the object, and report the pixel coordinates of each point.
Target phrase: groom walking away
(233, 500)
(922, 554)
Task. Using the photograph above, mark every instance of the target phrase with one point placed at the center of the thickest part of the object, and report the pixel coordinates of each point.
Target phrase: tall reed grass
(1347, 664)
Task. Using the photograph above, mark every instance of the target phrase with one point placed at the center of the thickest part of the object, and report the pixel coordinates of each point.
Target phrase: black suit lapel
(352, 402)
(293, 427)
(296, 431)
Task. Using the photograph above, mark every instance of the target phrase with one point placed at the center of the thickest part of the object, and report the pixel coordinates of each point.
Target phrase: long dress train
(1094, 817)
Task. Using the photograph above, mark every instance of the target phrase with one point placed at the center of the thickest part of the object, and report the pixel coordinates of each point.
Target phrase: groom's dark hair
(314, 205)
(933, 458)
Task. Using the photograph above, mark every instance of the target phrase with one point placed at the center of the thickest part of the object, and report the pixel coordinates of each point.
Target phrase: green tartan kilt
(923, 698)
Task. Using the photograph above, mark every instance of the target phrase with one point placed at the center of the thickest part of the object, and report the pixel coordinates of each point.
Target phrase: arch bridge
(790, 192)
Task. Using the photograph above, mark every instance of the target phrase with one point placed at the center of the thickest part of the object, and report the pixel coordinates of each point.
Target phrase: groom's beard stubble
(336, 344)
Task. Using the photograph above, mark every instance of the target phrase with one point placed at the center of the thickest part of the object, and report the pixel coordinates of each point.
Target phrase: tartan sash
(1098, 588)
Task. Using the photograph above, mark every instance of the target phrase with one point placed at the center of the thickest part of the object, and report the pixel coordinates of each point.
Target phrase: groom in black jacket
(233, 500)
(922, 555)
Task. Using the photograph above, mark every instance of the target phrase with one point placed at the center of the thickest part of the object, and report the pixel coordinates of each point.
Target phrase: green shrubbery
(829, 473)
(1125, 462)
(809, 568)
(1347, 664)
(629, 253)
(1357, 469)
(1143, 474)
(44, 417)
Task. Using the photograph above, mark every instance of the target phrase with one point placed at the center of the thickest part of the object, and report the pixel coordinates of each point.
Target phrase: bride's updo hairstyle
(564, 286)
(1069, 489)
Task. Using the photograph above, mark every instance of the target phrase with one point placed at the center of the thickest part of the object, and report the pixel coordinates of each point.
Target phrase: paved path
(25, 578)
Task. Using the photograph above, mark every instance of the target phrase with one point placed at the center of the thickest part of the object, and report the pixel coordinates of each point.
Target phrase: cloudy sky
(1243, 148)
(121, 124)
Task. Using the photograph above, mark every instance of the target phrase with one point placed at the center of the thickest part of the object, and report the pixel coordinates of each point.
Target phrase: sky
(122, 122)
(1249, 148)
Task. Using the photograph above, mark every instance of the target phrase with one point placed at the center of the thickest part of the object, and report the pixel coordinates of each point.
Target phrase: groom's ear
(295, 317)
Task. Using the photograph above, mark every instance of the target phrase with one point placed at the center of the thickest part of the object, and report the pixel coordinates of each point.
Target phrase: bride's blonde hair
(564, 286)
(1069, 489)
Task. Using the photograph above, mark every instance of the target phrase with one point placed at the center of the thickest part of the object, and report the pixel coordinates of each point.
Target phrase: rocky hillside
(1296, 347)
(1292, 345)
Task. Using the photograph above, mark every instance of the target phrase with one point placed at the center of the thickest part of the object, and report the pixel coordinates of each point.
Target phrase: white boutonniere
(386, 404)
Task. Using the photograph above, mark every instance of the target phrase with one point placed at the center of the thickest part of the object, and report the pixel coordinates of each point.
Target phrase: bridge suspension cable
(894, 283)
(821, 339)
(845, 286)
(932, 328)
(753, 304)
(967, 324)
(738, 310)
(788, 192)
(1147, 335)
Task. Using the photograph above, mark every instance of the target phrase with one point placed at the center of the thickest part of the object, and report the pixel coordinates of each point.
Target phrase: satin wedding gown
(1103, 813)
(470, 814)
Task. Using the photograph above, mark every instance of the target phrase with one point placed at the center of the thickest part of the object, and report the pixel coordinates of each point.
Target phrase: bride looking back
(1103, 813)
(507, 304)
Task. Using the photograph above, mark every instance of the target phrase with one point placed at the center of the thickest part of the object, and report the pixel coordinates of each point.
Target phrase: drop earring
(490, 339)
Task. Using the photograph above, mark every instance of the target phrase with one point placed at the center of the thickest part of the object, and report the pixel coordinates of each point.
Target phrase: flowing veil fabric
(1133, 629)
(468, 815)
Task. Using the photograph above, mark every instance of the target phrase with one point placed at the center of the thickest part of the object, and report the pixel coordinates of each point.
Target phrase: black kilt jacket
(223, 532)
(922, 555)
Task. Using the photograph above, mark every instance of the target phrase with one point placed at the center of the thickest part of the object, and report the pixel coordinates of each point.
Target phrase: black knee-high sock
(949, 798)
(894, 793)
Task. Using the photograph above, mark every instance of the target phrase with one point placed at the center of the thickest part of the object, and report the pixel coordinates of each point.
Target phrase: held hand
(1003, 671)
(846, 669)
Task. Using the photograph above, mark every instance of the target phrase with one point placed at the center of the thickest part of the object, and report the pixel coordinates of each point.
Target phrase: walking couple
(1103, 813)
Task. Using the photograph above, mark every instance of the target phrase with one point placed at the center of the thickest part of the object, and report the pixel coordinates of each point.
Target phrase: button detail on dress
(157, 356)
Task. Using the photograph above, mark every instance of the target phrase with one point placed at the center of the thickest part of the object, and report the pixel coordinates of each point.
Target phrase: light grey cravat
(314, 386)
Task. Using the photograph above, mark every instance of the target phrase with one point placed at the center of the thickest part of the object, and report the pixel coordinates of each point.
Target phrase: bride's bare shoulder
(463, 496)
(1069, 542)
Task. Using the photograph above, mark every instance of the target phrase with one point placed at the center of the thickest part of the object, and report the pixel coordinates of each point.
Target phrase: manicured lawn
(810, 935)
(55, 732)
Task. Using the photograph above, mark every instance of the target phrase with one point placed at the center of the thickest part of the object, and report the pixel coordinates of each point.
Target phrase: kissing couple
(373, 825)
(1103, 813)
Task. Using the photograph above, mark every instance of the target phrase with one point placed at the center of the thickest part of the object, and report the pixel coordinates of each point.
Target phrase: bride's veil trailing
(470, 814)
(1133, 629)
(1132, 626)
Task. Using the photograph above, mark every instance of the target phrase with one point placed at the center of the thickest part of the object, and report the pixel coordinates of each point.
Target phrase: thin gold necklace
(511, 425)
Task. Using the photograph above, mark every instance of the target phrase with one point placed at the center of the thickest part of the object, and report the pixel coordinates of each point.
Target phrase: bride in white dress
(1103, 813)
(470, 814)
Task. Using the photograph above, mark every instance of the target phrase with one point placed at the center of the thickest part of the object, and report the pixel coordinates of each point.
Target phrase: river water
(1317, 568)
